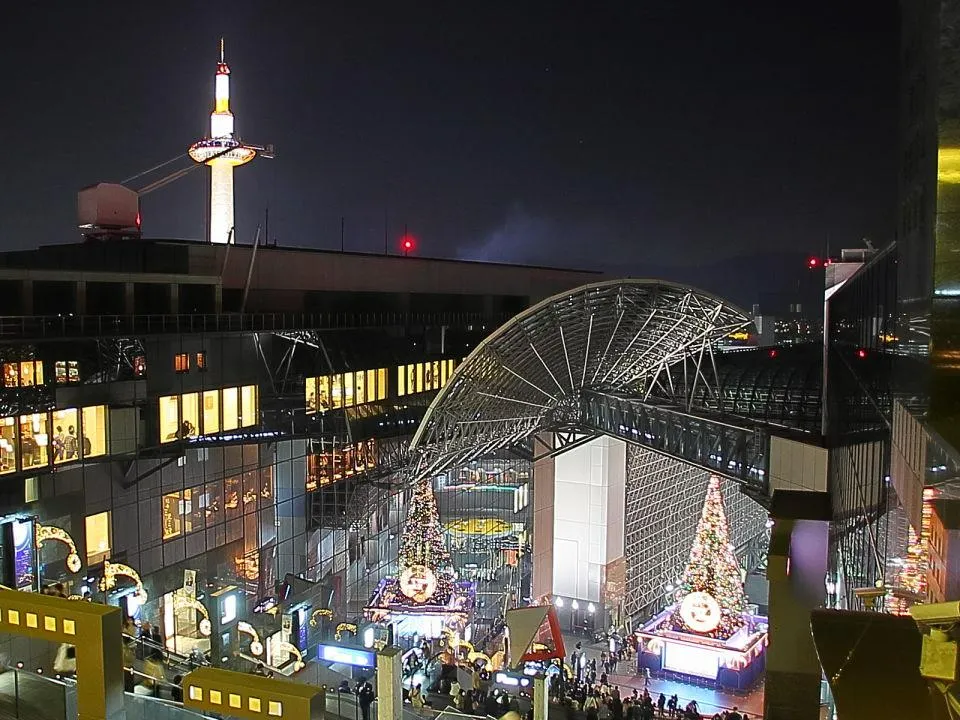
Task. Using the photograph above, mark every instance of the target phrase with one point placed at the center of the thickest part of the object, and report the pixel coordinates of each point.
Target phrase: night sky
(710, 142)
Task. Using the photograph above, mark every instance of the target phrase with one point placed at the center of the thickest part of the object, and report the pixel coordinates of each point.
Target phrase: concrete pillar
(80, 297)
(797, 566)
(542, 489)
(541, 702)
(389, 689)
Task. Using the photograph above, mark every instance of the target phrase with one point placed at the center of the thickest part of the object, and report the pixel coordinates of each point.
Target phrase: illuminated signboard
(347, 656)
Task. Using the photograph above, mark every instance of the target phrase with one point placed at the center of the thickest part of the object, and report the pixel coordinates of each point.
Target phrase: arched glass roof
(529, 375)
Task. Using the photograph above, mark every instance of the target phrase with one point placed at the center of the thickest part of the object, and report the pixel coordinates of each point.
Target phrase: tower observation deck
(222, 152)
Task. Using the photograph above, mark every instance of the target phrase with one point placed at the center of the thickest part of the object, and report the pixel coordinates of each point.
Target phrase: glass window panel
(310, 392)
(60, 371)
(411, 379)
(189, 414)
(323, 393)
(419, 377)
(360, 394)
(202, 360)
(211, 412)
(248, 406)
(371, 385)
(381, 383)
(73, 371)
(443, 373)
(231, 409)
(251, 486)
(348, 396)
(349, 460)
(213, 502)
(93, 426)
(11, 374)
(65, 443)
(401, 381)
(181, 362)
(8, 445)
(231, 496)
(31, 373)
(372, 452)
(336, 391)
(98, 537)
(450, 367)
(436, 375)
(169, 418)
(170, 509)
(34, 440)
(266, 486)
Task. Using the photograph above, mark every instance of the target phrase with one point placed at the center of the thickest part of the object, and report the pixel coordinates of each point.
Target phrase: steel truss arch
(534, 373)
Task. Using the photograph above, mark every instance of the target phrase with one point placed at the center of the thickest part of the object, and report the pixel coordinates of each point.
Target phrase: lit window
(65, 443)
(275, 709)
(248, 406)
(32, 620)
(381, 384)
(323, 393)
(401, 381)
(31, 489)
(169, 418)
(171, 515)
(9, 447)
(231, 409)
(411, 379)
(211, 412)
(98, 537)
(196, 692)
(310, 393)
(93, 425)
(420, 387)
(348, 397)
(359, 393)
(189, 415)
(34, 439)
(371, 385)
(202, 360)
(66, 371)
(139, 365)
(181, 362)
(13, 617)
(336, 391)
(443, 373)
(49, 623)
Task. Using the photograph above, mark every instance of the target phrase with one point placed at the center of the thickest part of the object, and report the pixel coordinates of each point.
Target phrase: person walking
(365, 697)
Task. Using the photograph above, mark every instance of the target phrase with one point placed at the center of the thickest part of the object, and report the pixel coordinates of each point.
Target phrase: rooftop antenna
(221, 50)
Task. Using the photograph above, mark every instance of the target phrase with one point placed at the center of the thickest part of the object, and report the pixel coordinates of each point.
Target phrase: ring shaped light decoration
(700, 612)
(256, 647)
(182, 602)
(42, 533)
(112, 570)
(320, 613)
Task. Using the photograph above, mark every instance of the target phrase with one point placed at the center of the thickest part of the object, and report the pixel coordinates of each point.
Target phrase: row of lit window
(207, 412)
(423, 377)
(30, 373)
(57, 436)
(254, 704)
(193, 509)
(181, 362)
(345, 389)
(327, 467)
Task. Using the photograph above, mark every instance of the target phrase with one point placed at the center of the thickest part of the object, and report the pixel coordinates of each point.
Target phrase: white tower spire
(222, 152)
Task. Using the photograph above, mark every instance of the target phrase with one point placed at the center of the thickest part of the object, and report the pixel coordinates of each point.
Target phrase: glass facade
(190, 415)
(421, 377)
(331, 392)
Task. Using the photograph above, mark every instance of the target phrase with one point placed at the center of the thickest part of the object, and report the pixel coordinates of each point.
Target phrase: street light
(591, 608)
(558, 602)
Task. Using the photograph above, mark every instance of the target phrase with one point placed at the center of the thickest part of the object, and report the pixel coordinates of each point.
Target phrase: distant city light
(813, 262)
(772, 353)
(861, 353)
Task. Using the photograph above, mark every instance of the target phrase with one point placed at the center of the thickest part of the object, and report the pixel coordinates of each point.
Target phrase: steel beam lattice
(535, 372)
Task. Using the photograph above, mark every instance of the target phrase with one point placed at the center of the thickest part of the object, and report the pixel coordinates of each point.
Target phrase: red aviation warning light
(772, 353)
(861, 353)
(813, 263)
(406, 244)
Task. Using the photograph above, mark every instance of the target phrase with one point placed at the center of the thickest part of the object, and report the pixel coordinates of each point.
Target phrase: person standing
(365, 697)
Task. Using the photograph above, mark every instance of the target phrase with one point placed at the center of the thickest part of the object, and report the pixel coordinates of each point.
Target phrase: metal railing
(27, 695)
(37, 326)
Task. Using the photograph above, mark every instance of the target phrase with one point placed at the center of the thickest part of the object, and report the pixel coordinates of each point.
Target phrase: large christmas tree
(710, 599)
(426, 574)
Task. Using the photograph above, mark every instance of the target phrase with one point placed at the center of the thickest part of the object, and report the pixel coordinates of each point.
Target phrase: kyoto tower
(222, 152)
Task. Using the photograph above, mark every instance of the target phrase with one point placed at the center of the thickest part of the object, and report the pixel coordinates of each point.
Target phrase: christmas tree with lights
(710, 599)
(426, 575)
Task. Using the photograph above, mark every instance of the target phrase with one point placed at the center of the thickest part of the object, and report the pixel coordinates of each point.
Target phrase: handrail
(29, 326)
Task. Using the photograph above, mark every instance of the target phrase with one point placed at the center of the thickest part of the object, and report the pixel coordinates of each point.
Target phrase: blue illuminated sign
(347, 656)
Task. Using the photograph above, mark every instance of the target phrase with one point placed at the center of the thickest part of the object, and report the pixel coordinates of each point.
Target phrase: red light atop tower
(407, 244)
(813, 263)
(861, 353)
